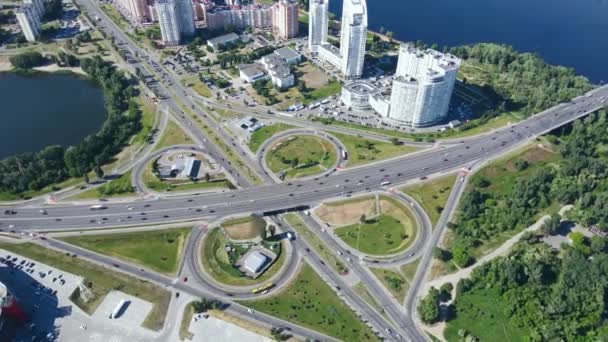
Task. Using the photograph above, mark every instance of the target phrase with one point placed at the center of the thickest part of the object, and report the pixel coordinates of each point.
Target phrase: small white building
(278, 70)
(255, 262)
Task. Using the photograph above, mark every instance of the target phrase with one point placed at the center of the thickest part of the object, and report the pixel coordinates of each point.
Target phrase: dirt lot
(244, 229)
(346, 213)
(312, 75)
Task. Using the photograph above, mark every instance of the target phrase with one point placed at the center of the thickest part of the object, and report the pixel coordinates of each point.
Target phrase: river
(47, 109)
(572, 33)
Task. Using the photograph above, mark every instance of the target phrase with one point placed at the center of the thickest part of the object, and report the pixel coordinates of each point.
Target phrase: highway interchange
(273, 196)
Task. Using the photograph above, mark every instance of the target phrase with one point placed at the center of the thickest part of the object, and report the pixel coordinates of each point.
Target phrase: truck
(385, 183)
(97, 18)
(344, 155)
(97, 207)
(118, 310)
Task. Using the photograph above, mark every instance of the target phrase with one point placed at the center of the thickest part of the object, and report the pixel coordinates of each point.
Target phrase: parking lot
(44, 294)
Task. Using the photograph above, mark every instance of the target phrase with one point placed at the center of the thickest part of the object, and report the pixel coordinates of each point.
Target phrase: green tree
(428, 307)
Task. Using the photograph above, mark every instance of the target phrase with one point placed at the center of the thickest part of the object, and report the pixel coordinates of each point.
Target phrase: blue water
(572, 33)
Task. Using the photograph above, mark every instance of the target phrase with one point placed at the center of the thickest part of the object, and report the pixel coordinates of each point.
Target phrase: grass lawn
(216, 262)
(244, 228)
(185, 323)
(173, 135)
(198, 86)
(393, 281)
(258, 137)
(118, 187)
(432, 194)
(409, 270)
(483, 314)
(380, 235)
(310, 302)
(148, 111)
(103, 280)
(315, 242)
(330, 89)
(311, 154)
(159, 250)
(363, 151)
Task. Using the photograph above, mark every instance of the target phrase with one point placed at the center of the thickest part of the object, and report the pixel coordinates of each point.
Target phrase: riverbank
(6, 66)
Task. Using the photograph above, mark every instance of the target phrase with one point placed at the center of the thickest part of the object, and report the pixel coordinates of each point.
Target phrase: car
(9, 212)
(185, 279)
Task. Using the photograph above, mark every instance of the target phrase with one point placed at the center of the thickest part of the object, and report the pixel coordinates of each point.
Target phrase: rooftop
(287, 53)
(255, 261)
(227, 38)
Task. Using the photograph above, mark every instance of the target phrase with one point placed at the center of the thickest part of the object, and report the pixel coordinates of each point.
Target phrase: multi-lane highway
(306, 192)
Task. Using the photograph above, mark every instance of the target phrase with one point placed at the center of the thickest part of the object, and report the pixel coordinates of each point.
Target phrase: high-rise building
(285, 18)
(166, 10)
(317, 27)
(185, 15)
(353, 37)
(422, 87)
(350, 57)
(38, 7)
(139, 9)
(29, 20)
(220, 17)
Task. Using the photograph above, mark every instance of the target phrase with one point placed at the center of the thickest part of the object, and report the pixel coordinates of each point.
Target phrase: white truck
(120, 307)
(97, 207)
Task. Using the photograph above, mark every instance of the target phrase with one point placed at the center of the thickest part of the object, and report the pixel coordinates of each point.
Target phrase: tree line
(579, 177)
(545, 294)
(522, 81)
(34, 171)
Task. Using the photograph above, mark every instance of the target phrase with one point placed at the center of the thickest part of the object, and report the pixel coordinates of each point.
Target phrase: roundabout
(382, 228)
(226, 252)
(298, 153)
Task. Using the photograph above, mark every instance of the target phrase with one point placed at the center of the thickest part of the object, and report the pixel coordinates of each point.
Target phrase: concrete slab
(133, 315)
(213, 329)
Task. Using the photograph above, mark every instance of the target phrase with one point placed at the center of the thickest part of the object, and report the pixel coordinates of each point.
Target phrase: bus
(263, 288)
(97, 207)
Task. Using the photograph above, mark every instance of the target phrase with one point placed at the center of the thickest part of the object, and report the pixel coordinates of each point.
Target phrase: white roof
(254, 261)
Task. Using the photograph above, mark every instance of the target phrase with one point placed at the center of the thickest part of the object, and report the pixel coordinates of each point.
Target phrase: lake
(572, 33)
(47, 109)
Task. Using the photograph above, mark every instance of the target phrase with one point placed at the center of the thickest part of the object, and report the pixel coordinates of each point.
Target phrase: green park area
(364, 151)
(394, 281)
(158, 250)
(310, 302)
(261, 135)
(100, 281)
(503, 198)
(388, 228)
(300, 156)
(154, 182)
(118, 187)
(173, 135)
(219, 255)
(432, 194)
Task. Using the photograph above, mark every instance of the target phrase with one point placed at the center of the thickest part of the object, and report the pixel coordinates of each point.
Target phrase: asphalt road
(309, 192)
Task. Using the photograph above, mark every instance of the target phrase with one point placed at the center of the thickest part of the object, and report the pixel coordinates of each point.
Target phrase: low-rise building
(330, 54)
(255, 262)
(356, 95)
(289, 55)
(278, 70)
(251, 72)
(218, 42)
